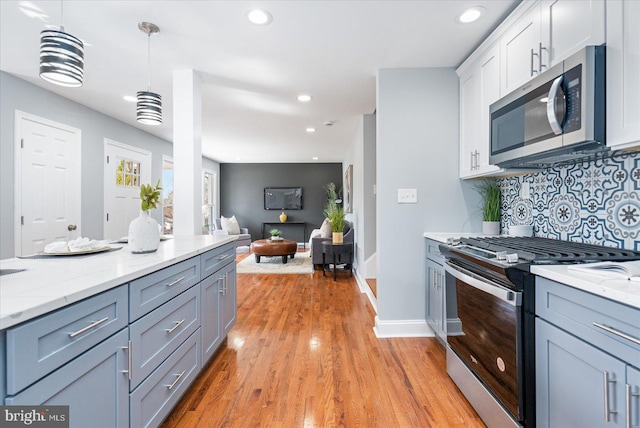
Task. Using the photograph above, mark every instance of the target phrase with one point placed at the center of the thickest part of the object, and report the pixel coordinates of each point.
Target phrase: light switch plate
(407, 196)
(525, 192)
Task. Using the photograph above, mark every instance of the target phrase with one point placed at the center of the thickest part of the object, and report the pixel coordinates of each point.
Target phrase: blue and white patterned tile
(596, 202)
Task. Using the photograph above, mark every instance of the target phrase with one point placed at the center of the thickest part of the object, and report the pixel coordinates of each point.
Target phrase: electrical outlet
(525, 191)
(407, 196)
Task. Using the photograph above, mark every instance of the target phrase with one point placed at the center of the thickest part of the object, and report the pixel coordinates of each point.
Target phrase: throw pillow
(230, 224)
(325, 229)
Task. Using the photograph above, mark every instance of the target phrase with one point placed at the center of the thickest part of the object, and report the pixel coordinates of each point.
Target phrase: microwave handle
(552, 114)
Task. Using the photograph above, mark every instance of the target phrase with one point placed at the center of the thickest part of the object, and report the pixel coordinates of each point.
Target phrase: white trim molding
(402, 328)
(365, 289)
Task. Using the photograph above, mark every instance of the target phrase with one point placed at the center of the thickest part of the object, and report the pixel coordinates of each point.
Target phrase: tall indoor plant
(491, 196)
(334, 212)
(144, 232)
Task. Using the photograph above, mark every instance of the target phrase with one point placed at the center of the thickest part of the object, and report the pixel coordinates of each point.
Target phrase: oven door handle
(511, 297)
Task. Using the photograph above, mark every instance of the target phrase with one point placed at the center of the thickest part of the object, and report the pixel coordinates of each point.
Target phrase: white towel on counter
(75, 245)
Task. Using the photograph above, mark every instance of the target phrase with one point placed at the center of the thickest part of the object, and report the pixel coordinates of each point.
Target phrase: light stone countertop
(443, 236)
(618, 290)
(53, 282)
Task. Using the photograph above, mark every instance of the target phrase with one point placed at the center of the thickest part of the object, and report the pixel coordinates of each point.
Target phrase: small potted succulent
(144, 232)
(275, 234)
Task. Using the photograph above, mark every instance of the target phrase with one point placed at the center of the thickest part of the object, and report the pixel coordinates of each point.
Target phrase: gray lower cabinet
(218, 306)
(584, 368)
(123, 358)
(441, 309)
(94, 386)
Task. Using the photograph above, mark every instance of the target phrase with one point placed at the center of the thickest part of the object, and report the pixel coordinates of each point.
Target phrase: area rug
(301, 263)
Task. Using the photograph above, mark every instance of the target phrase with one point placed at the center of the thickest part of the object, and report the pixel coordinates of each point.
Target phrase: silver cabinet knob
(72, 227)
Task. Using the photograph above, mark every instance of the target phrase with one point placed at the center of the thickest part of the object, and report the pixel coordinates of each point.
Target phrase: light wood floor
(303, 354)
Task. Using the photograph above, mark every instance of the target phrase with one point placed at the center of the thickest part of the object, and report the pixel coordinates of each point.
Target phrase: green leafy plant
(491, 195)
(150, 196)
(336, 219)
(275, 233)
(333, 199)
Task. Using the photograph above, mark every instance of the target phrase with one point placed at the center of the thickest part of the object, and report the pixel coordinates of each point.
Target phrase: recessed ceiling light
(471, 14)
(304, 98)
(130, 98)
(315, 158)
(311, 130)
(259, 16)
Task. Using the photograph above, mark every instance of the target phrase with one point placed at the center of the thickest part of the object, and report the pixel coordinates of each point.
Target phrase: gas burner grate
(545, 249)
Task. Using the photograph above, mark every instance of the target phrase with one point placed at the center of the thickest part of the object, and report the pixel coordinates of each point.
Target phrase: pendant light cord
(149, 61)
(61, 16)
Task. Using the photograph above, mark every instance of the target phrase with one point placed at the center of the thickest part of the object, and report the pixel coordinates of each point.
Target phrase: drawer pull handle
(617, 333)
(89, 327)
(178, 324)
(170, 387)
(222, 257)
(177, 281)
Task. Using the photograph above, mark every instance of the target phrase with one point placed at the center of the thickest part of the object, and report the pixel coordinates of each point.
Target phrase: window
(167, 195)
(208, 203)
(127, 172)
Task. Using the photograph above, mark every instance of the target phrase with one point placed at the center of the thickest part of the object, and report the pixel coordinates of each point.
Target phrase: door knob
(72, 227)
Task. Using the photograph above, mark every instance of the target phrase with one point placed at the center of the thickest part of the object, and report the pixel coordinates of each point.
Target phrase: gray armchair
(243, 239)
(316, 245)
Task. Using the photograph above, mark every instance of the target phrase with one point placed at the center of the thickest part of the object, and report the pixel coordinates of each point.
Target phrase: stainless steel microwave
(557, 117)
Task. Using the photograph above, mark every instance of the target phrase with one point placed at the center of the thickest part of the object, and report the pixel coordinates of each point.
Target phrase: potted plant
(275, 234)
(144, 232)
(491, 196)
(334, 213)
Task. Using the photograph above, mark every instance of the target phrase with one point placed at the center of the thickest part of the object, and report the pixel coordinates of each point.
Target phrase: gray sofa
(316, 245)
(243, 239)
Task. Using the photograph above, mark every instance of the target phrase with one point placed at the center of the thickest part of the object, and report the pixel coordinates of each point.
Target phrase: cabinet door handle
(129, 360)
(89, 327)
(170, 387)
(533, 70)
(540, 49)
(221, 290)
(617, 333)
(178, 324)
(177, 281)
(607, 409)
(471, 161)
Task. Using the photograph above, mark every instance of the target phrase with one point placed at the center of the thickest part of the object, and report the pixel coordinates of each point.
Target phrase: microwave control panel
(572, 86)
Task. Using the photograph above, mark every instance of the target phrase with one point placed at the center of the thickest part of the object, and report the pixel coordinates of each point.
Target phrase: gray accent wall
(18, 94)
(242, 194)
(417, 147)
(369, 177)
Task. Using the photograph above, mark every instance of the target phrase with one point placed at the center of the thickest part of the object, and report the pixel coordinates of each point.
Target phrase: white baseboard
(402, 328)
(364, 288)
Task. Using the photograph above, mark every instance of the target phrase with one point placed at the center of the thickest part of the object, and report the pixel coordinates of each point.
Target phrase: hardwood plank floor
(303, 354)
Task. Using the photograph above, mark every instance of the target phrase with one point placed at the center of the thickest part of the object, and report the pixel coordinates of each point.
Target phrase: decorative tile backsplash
(594, 202)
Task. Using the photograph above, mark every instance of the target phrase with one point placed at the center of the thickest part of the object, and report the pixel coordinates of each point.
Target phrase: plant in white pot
(275, 234)
(334, 213)
(491, 195)
(144, 232)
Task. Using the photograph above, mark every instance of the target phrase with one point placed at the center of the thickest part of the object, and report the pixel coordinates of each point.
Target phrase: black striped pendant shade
(149, 108)
(61, 58)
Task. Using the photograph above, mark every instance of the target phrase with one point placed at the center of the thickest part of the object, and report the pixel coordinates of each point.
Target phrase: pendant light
(61, 57)
(149, 106)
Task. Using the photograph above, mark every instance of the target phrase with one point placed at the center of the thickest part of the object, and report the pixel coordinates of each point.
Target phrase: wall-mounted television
(283, 198)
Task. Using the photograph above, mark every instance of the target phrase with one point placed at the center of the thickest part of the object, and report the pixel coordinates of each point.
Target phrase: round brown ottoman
(265, 247)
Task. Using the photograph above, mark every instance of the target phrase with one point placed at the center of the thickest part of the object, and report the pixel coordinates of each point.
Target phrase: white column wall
(187, 153)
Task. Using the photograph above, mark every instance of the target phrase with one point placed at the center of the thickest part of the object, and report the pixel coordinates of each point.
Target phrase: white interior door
(126, 167)
(47, 201)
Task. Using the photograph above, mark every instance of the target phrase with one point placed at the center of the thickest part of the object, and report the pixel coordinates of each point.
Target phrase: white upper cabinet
(479, 87)
(623, 74)
(520, 51)
(567, 26)
(548, 33)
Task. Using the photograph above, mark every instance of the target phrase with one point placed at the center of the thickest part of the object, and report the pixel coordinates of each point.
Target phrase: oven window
(489, 341)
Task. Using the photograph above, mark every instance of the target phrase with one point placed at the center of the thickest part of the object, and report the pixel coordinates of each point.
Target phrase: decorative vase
(144, 234)
(283, 217)
(338, 237)
(491, 228)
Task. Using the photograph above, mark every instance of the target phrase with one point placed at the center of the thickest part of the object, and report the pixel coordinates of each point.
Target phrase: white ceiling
(251, 74)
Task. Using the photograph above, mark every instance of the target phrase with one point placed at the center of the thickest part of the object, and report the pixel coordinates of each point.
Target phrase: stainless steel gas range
(492, 357)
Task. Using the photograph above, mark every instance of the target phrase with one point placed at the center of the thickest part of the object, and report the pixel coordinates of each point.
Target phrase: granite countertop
(619, 290)
(52, 282)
